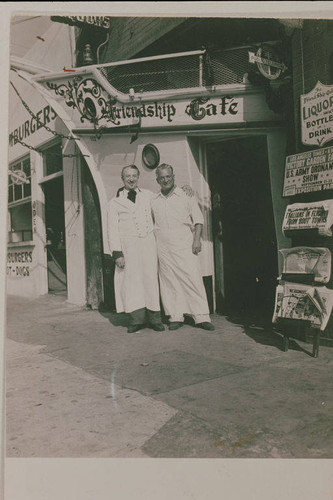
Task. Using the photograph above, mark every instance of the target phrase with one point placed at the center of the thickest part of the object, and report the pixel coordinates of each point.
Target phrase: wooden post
(316, 342)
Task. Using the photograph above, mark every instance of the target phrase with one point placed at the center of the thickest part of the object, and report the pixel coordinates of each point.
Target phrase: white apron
(181, 284)
(130, 230)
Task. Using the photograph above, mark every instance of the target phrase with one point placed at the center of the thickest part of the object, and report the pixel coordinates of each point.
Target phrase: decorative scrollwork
(88, 97)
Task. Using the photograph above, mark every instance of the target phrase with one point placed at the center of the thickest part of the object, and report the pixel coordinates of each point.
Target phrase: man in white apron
(133, 246)
(178, 226)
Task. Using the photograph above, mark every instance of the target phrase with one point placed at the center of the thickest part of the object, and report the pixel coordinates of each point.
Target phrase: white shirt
(175, 210)
(128, 219)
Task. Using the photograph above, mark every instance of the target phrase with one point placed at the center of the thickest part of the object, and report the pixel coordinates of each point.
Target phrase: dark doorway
(99, 268)
(55, 234)
(245, 249)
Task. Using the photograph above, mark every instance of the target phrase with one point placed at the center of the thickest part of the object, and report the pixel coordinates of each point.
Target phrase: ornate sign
(93, 104)
(317, 115)
(267, 62)
(307, 172)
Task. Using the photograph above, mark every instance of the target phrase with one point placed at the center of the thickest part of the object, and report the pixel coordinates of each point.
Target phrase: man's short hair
(129, 166)
(162, 167)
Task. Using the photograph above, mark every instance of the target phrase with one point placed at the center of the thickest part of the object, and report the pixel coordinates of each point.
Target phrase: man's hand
(196, 247)
(120, 262)
(188, 190)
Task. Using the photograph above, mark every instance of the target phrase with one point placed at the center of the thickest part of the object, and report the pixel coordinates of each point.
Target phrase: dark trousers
(140, 316)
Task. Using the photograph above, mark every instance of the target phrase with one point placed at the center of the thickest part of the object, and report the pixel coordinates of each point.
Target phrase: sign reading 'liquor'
(307, 172)
(317, 115)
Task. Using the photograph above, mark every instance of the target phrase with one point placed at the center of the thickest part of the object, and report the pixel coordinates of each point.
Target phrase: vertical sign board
(317, 115)
(313, 171)
(307, 172)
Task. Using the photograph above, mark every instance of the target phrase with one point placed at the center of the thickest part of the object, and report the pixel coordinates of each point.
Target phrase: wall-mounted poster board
(313, 215)
(307, 172)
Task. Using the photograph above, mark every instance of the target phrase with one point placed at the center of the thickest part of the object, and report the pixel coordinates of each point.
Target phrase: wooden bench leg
(316, 342)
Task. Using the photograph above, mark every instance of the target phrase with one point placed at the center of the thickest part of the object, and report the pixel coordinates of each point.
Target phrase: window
(19, 202)
(52, 160)
(20, 223)
(19, 191)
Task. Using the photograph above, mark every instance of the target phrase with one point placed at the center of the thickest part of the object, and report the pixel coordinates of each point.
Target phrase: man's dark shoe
(158, 327)
(134, 328)
(206, 326)
(174, 325)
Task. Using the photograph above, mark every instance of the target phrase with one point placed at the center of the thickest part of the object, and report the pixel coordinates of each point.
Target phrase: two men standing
(133, 246)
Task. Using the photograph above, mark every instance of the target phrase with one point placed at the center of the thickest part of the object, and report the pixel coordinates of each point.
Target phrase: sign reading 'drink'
(306, 172)
(317, 115)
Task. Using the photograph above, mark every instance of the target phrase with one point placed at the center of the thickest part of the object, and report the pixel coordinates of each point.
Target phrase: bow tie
(131, 195)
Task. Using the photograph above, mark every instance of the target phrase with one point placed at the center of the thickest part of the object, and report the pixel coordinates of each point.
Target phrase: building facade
(218, 99)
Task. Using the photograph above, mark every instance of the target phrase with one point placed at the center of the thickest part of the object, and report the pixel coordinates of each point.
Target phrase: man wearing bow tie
(133, 247)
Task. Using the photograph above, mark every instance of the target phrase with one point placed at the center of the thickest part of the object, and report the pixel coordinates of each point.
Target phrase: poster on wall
(296, 301)
(314, 215)
(317, 115)
(307, 172)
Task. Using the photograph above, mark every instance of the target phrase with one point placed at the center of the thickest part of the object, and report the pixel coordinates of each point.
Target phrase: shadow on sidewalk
(116, 319)
(261, 329)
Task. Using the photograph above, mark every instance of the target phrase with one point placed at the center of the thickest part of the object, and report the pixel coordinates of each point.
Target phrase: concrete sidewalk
(79, 386)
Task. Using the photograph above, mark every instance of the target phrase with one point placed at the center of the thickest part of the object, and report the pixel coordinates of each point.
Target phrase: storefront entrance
(245, 250)
(55, 234)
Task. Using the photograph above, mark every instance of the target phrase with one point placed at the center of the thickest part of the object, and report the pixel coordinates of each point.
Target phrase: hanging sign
(317, 115)
(97, 21)
(267, 62)
(307, 172)
(316, 215)
(19, 177)
(296, 301)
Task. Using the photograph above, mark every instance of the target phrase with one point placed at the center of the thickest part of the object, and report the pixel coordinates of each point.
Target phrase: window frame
(19, 164)
(25, 200)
